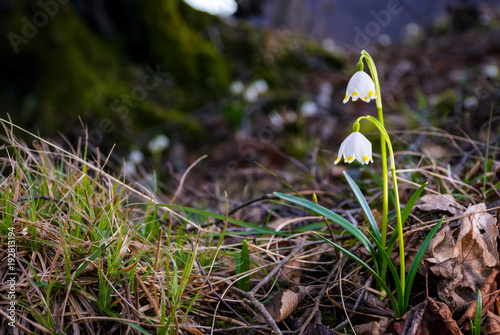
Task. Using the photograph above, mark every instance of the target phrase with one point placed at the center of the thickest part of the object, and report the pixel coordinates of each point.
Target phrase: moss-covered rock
(179, 48)
(64, 69)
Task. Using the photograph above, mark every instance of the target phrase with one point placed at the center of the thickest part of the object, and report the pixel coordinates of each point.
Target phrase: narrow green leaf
(399, 289)
(374, 274)
(364, 205)
(392, 242)
(485, 168)
(137, 327)
(479, 314)
(418, 258)
(320, 210)
(411, 203)
(244, 266)
(256, 228)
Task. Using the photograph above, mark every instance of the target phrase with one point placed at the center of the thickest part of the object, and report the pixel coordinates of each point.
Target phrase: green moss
(70, 70)
(179, 49)
(328, 317)
(197, 20)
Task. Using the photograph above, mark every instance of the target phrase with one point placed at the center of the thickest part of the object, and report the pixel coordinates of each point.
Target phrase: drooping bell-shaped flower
(356, 147)
(360, 86)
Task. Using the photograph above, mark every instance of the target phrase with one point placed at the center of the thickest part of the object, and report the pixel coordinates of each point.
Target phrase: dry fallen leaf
(429, 317)
(283, 304)
(491, 324)
(464, 263)
(489, 295)
(442, 202)
(371, 328)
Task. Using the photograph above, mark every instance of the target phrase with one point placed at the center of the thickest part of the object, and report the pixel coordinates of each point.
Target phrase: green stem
(383, 153)
(399, 224)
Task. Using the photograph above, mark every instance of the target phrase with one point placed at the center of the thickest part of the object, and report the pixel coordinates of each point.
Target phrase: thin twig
(277, 268)
(217, 295)
(351, 315)
(245, 204)
(260, 308)
(319, 297)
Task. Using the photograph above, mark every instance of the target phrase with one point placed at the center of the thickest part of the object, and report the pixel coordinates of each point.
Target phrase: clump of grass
(89, 255)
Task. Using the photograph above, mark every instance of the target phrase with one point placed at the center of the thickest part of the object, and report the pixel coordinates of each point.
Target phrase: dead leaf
(491, 324)
(465, 262)
(489, 295)
(427, 318)
(441, 202)
(371, 328)
(283, 304)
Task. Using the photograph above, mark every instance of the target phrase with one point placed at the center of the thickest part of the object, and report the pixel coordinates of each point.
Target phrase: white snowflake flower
(360, 86)
(356, 147)
(159, 143)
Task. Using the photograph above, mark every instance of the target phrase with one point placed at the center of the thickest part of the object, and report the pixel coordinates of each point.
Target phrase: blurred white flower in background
(384, 40)
(255, 89)
(129, 168)
(158, 144)
(136, 156)
(276, 119)
(329, 45)
(236, 87)
(290, 116)
(250, 94)
(413, 32)
(356, 147)
(261, 86)
(325, 94)
(491, 70)
(308, 108)
(471, 102)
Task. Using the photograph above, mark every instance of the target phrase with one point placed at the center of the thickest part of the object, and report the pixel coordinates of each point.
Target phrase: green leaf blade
(243, 282)
(257, 229)
(411, 203)
(478, 315)
(320, 210)
(372, 272)
(364, 206)
(418, 258)
(399, 289)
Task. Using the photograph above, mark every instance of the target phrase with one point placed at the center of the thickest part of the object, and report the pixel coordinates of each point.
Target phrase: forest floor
(212, 249)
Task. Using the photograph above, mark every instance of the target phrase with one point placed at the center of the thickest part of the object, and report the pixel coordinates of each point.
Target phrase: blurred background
(244, 81)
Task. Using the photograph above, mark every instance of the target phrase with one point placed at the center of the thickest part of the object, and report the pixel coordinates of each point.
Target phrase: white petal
(355, 147)
(361, 86)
